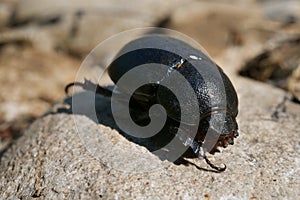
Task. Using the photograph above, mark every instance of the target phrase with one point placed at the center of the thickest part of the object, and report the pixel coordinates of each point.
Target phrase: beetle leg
(90, 86)
(201, 153)
(219, 169)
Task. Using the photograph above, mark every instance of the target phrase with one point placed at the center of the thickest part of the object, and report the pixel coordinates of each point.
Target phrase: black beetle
(216, 96)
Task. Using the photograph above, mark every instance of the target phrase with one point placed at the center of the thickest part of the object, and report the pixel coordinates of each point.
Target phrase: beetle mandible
(218, 108)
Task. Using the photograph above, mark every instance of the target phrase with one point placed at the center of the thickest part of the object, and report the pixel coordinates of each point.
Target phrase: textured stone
(51, 162)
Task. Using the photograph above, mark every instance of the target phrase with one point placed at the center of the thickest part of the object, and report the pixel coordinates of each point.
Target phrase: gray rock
(51, 161)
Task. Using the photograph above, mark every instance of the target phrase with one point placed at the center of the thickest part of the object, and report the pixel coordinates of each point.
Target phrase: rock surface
(51, 162)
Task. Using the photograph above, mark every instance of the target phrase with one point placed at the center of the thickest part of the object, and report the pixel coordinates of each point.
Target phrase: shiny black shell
(212, 87)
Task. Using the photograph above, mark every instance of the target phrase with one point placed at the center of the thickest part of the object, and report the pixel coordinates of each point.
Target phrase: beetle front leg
(200, 152)
(219, 169)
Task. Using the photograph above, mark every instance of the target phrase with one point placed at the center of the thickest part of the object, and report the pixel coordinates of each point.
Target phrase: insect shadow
(91, 104)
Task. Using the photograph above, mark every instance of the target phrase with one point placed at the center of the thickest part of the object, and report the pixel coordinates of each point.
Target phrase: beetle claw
(219, 169)
(71, 85)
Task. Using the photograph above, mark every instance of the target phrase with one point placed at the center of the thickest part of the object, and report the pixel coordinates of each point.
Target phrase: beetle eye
(236, 126)
(204, 125)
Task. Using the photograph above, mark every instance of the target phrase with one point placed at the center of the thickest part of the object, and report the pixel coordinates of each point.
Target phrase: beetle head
(218, 128)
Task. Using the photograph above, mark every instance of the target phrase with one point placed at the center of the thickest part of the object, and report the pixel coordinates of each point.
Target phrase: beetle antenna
(90, 86)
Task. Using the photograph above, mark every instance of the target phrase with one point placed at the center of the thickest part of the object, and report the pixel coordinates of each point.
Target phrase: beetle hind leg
(90, 86)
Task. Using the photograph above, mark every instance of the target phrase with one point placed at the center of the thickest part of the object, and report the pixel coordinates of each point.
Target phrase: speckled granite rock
(51, 162)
